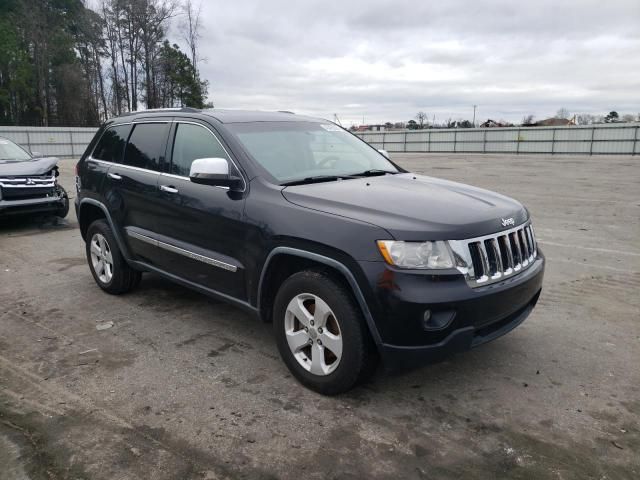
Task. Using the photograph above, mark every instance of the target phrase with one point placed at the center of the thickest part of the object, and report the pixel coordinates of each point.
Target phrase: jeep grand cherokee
(305, 225)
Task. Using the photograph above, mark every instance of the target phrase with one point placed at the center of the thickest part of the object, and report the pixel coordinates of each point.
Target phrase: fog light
(437, 320)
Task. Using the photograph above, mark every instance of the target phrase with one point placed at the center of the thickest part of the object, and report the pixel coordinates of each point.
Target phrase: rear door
(202, 227)
(131, 187)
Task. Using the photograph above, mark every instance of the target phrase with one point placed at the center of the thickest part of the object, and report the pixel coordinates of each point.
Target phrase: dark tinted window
(111, 145)
(146, 145)
(193, 142)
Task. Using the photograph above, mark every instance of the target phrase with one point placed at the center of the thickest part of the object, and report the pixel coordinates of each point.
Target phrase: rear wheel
(108, 267)
(321, 333)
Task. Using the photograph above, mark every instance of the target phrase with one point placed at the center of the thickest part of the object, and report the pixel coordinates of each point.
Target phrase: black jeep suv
(304, 225)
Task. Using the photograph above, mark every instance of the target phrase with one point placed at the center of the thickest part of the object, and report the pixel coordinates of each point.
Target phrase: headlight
(416, 254)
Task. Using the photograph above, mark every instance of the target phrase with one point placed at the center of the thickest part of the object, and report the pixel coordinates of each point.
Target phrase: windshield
(12, 152)
(293, 151)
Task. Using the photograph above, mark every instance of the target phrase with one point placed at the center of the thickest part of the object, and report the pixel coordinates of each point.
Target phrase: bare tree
(152, 24)
(585, 119)
(528, 120)
(563, 113)
(421, 117)
(628, 118)
(191, 30)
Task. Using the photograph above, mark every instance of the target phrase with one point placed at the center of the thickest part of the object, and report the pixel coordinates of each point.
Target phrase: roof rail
(286, 111)
(168, 109)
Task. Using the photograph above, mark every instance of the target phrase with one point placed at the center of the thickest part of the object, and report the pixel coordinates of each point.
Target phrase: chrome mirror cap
(201, 167)
(214, 171)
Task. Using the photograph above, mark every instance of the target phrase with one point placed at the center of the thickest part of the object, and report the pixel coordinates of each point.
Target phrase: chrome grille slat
(531, 246)
(493, 258)
(486, 271)
(516, 242)
(498, 255)
(507, 245)
(523, 248)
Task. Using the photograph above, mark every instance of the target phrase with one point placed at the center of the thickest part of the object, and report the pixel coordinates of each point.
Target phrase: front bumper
(474, 316)
(31, 205)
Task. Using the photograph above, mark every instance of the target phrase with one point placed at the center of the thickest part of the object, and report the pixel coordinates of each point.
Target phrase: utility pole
(474, 115)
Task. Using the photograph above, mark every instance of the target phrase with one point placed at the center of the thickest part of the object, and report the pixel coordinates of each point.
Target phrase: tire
(63, 211)
(116, 277)
(345, 354)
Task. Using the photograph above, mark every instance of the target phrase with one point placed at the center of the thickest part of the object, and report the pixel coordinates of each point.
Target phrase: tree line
(421, 121)
(63, 63)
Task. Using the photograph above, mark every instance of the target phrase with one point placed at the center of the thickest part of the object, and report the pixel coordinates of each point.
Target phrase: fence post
(28, 140)
(429, 142)
(484, 142)
(593, 131)
(455, 141)
(635, 140)
(73, 154)
(518, 142)
(553, 141)
(405, 142)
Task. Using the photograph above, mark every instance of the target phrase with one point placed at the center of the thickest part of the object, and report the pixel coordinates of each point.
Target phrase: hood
(34, 166)
(412, 207)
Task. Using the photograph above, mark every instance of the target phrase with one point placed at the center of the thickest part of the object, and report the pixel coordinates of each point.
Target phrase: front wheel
(321, 334)
(63, 210)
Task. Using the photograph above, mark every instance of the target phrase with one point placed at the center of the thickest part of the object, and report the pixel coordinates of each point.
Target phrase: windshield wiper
(374, 172)
(317, 179)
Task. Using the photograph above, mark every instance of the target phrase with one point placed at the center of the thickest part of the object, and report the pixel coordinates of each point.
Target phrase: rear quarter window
(111, 145)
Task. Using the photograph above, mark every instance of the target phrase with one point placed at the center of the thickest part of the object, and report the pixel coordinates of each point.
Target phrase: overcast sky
(385, 60)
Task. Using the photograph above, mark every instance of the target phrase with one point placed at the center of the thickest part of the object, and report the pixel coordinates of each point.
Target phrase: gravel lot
(184, 387)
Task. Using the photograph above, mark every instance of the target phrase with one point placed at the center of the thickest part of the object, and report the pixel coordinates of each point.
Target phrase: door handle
(114, 176)
(168, 189)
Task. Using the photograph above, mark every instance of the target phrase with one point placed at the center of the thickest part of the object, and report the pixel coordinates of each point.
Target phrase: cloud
(385, 60)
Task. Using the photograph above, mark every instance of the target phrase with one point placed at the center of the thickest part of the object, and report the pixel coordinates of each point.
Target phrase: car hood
(34, 166)
(413, 207)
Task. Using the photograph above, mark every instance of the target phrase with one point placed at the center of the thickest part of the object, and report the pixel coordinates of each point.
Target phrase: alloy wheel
(313, 334)
(101, 258)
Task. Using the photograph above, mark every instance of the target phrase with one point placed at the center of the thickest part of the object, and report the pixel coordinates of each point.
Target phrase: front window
(10, 152)
(295, 151)
(192, 142)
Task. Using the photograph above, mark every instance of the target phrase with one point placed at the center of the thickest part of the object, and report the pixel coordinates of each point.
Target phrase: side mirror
(37, 155)
(214, 171)
(384, 152)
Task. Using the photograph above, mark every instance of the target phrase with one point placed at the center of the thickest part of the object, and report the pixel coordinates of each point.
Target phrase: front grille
(23, 188)
(492, 258)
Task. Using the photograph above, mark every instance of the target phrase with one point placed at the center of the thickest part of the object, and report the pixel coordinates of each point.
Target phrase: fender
(338, 266)
(116, 233)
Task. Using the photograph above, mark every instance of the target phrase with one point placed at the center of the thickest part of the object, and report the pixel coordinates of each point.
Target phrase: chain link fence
(63, 142)
(623, 139)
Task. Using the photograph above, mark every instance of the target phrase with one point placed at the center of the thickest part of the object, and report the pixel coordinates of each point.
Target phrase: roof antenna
(336, 119)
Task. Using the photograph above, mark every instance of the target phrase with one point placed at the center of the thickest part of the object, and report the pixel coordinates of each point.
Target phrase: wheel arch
(292, 260)
(91, 210)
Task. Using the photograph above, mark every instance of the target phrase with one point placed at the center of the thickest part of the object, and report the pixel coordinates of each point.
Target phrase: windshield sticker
(330, 127)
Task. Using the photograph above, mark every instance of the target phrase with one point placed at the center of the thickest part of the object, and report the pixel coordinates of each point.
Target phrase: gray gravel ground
(184, 387)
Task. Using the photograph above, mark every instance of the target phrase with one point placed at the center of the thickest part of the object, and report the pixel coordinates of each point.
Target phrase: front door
(201, 227)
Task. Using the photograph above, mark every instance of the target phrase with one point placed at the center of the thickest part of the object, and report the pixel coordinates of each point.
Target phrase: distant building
(493, 124)
(554, 122)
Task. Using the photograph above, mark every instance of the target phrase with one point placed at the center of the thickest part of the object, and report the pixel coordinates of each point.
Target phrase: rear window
(111, 145)
(146, 146)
